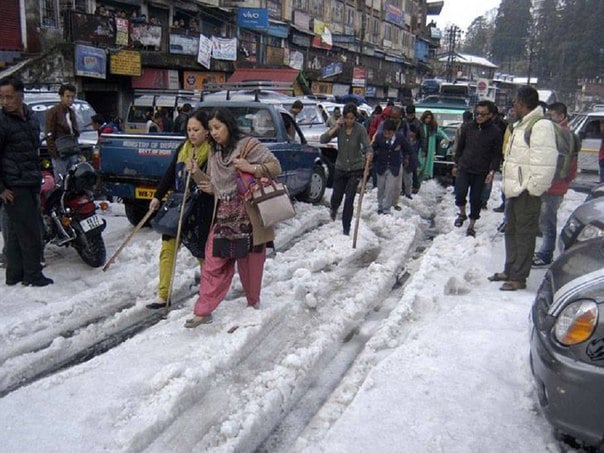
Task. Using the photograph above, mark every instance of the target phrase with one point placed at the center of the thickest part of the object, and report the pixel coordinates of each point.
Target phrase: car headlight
(591, 231)
(576, 322)
(444, 143)
(573, 225)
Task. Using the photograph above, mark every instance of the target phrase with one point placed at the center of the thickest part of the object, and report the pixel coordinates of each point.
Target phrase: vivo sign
(254, 18)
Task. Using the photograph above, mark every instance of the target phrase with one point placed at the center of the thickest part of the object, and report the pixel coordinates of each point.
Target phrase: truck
(131, 165)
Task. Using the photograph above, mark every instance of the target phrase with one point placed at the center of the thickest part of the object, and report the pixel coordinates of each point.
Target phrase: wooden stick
(177, 245)
(363, 184)
(132, 233)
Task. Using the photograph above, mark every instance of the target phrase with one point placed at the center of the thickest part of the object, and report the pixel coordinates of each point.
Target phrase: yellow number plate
(145, 193)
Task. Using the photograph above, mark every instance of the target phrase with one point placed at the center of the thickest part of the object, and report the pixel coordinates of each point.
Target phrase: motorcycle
(69, 213)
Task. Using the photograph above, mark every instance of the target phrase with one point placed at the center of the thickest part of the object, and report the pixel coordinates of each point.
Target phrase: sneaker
(461, 218)
(539, 262)
(471, 232)
(500, 208)
(41, 281)
(408, 197)
(198, 320)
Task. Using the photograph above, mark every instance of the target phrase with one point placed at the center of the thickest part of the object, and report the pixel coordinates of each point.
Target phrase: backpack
(567, 144)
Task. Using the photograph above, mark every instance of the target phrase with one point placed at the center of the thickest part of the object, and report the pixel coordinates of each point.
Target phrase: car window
(309, 115)
(83, 111)
(592, 130)
(254, 121)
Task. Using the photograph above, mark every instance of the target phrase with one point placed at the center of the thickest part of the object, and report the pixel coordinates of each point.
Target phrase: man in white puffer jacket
(528, 171)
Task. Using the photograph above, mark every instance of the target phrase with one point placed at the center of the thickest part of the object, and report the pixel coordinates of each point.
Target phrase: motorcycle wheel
(94, 254)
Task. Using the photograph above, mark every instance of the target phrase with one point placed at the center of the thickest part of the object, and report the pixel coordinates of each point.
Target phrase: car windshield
(310, 114)
(83, 111)
(254, 121)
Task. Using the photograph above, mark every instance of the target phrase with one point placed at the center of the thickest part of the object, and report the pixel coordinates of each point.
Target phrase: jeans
(473, 182)
(548, 225)
(602, 170)
(345, 184)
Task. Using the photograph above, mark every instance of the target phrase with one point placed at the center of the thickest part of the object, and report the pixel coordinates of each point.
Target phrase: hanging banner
(296, 60)
(184, 44)
(146, 35)
(90, 62)
(324, 40)
(121, 31)
(205, 51)
(224, 48)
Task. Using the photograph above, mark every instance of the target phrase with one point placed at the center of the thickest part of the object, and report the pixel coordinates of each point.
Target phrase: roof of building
(464, 58)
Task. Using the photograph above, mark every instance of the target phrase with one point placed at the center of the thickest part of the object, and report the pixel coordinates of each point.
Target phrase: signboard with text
(125, 62)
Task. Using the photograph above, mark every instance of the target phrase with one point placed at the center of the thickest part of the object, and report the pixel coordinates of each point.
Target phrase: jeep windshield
(254, 121)
(83, 111)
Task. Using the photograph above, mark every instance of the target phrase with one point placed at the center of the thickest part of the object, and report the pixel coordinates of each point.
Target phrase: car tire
(316, 188)
(135, 211)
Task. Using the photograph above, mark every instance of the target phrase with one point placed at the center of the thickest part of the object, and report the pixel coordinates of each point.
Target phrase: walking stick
(363, 184)
(132, 233)
(176, 246)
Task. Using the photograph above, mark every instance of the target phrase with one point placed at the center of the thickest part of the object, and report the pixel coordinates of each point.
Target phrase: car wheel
(135, 211)
(316, 188)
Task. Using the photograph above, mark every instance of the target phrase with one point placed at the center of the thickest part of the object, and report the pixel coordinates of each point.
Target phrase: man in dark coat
(477, 156)
(20, 180)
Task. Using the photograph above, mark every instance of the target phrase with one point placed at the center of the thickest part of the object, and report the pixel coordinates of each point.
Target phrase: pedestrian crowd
(392, 146)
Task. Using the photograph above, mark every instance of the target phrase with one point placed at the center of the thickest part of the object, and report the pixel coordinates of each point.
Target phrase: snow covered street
(398, 345)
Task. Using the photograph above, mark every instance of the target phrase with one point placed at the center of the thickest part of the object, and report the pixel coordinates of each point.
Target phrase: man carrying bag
(62, 133)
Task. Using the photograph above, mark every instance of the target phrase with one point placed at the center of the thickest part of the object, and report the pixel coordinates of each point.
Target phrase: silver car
(567, 344)
(586, 222)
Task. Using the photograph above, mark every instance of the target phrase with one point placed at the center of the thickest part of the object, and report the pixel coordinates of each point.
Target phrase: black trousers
(24, 238)
(345, 184)
(465, 181)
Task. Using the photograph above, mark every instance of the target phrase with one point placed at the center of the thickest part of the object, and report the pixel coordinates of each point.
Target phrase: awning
(264, 75)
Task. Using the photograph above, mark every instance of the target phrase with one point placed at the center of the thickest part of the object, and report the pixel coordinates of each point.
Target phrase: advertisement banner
(320, 87)
(204, 54)
(145, 35)
(184, 44)
(332, 69)
(296, 60)
(90, 62)
(394, 14)
(159, 79)
(359, 76)
(196, 80)
(224, 48)
(252, 18)
(125, 62)
(121, 31)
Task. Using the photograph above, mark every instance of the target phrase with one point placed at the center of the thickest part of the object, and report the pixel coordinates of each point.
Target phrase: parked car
(445, 152)
(567, 344)
(586, 222)
(587, 127)
(596, 192)
(42, 101)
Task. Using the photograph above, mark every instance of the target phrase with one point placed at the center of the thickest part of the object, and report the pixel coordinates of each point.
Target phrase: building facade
(375, 48)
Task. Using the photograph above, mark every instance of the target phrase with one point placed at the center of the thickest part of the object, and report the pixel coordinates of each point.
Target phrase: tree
(478, 37)
(511, 32)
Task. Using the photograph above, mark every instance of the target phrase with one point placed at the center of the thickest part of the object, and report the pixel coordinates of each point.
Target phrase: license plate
(145, 193)
(91, 223)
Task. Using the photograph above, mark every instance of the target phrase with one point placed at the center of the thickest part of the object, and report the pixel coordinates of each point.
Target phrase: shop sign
(90, 62)
(359, 76)
(332, 69)
(252, 18)
(159, 79)
(125, 62)
(197, 80)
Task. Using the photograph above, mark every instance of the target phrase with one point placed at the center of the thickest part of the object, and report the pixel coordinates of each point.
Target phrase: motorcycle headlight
(576, 322)
(593, 230)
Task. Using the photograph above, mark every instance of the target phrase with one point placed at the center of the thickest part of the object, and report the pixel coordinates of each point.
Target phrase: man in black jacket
(477, 156)
(20, 180)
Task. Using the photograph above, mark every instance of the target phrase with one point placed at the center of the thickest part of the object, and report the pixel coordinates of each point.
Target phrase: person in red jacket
(550, 200)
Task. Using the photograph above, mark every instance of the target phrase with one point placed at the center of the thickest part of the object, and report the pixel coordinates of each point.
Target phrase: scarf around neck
(222, 170)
